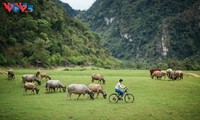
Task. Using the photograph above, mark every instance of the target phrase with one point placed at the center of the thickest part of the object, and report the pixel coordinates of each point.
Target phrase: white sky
(79, 4)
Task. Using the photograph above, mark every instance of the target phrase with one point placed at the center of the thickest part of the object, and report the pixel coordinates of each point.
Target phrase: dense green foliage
(148, 31)
(48, 37)
(154, 99)
(68, 8)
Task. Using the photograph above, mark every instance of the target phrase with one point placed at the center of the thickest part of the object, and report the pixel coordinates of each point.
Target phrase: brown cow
(30, 86)
(98, 89)
(153, 69)
(158, 74)
(98, 77)
(45, 75)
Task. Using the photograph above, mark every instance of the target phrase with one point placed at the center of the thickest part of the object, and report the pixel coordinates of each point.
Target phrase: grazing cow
(37, 74)
(11, 74)
(164, 73)
(169, 71)
(53, 84)
(178, 74)
(79, 89)
(158, 74)
(30, 86)
(153, 69)
(30, 78)
(98, 89)
(98, 77)
(172, 76)
(45, 75)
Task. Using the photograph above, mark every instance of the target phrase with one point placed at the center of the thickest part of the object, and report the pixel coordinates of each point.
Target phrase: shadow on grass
(165, 80)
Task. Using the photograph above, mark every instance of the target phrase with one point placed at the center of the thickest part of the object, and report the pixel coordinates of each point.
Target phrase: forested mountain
(48, 36)
(70, 11)
(149, 31)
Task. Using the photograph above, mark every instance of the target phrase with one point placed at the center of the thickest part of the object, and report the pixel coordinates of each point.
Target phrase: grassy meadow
(154, 99)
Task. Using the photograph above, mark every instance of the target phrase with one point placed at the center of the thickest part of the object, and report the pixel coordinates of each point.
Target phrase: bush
(3, 60)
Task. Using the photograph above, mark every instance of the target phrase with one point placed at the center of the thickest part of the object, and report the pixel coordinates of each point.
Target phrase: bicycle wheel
(129, 98)
(113, 98)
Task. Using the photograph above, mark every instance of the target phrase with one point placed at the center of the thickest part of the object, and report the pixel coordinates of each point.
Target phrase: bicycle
(128, 97)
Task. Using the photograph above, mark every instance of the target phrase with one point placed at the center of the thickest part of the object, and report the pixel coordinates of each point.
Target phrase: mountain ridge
(147, 30)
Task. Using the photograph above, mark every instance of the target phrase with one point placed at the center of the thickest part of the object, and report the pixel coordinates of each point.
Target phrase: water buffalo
(79, 89)
(11, 74)
(174, 75)
(98, 89)
(178, 74)
(153, 69)
(158, 74)
(37, 74)
(53, 84)
(98, 77)
(45, 75)
(30, 78)
(30, 86)
(169, 71)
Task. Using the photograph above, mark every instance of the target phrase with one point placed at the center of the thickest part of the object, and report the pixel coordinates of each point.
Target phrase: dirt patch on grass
(3, 72)
(192, 74)
(59, 68)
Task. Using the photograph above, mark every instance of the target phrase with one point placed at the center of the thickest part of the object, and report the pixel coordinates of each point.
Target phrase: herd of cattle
(53, 85)
(172, 75)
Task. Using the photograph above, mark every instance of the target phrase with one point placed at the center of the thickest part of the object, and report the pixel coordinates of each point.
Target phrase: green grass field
(154, 99)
